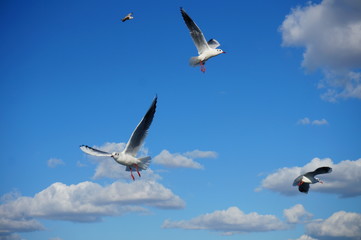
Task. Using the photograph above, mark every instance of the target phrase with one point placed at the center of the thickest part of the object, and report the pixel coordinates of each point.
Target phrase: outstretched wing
(141, 131)
(213, 43)
(94, 152)
(304, 187)
(128, 17)
(321, 170)
(196, 33)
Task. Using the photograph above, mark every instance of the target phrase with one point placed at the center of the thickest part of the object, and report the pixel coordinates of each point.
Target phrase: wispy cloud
(54, 162)
(345, 179)
(185, 160)
(84, 202)
(230, 221)
(307, 121)
(331, 33)
(339, 224)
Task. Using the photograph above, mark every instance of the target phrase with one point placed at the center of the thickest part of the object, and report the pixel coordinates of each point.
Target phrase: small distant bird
(128, 17)
(128, 156)
(303, 182)
(206, 50)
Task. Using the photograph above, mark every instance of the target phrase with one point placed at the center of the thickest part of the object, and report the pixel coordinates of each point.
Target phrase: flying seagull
(128, 17)
(303, 182)
(206, 50)
(128, 156)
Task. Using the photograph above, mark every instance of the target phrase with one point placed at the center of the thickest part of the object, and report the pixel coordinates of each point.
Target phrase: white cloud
(320, 122)
(230, 221)
(345, 179)
(340, 224)
(304, 121)
(84, 202)
(305, 237)
(296, 214)
(331, 34)
(54, 162)
(201, 154)
(307, 121)
(12, 236)
(185, 160)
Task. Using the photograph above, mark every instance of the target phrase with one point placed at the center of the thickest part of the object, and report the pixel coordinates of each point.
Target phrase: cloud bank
(84, 202)
(345, 179)
(185, 160)
(304, 237)
(340, 224)
(230, 221)
(330, 32)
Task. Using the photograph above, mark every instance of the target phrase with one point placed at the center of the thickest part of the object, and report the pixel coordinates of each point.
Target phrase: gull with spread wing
(206, 50)
(128, 156)
(303, 181)
(128, 17)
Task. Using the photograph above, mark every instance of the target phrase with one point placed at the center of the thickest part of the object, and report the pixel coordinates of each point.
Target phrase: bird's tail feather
(194, 61)
(145, 161)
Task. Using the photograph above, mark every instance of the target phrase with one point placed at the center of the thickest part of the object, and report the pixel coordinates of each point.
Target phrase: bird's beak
(224, 52)
(321, 182)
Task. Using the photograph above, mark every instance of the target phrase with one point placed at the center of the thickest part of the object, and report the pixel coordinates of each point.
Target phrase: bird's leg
(203, 68)
(131, 174)
(136, 167)
(300, 183)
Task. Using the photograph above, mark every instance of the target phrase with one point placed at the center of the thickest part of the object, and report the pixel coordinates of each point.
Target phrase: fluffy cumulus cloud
(84, 202)
(54, 162)
(344, 180)
(296, 214)
(330, 32)
(230, 221)
(185, 160)
(304, 237)
(340, 224)
(307, 121)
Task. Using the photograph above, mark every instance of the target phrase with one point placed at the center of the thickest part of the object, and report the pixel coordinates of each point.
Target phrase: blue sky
(226, 145)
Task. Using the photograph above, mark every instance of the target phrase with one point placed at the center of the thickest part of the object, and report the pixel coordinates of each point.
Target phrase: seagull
(128, 17)
(303, 181)
(128, 156)
(206, 50)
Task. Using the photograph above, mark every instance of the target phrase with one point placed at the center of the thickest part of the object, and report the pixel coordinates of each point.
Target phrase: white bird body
(206, 50)
(128, 156)
(204, 56)
(125, 159)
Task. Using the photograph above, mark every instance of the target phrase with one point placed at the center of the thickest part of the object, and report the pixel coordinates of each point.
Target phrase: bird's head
(318, 180)
(115, 154)
(219, 51)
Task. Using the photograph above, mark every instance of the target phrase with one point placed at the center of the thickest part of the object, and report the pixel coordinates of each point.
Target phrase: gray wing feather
(320, 170)
(196, 33)
(141, 131)
(94, 152)
(213, 43)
